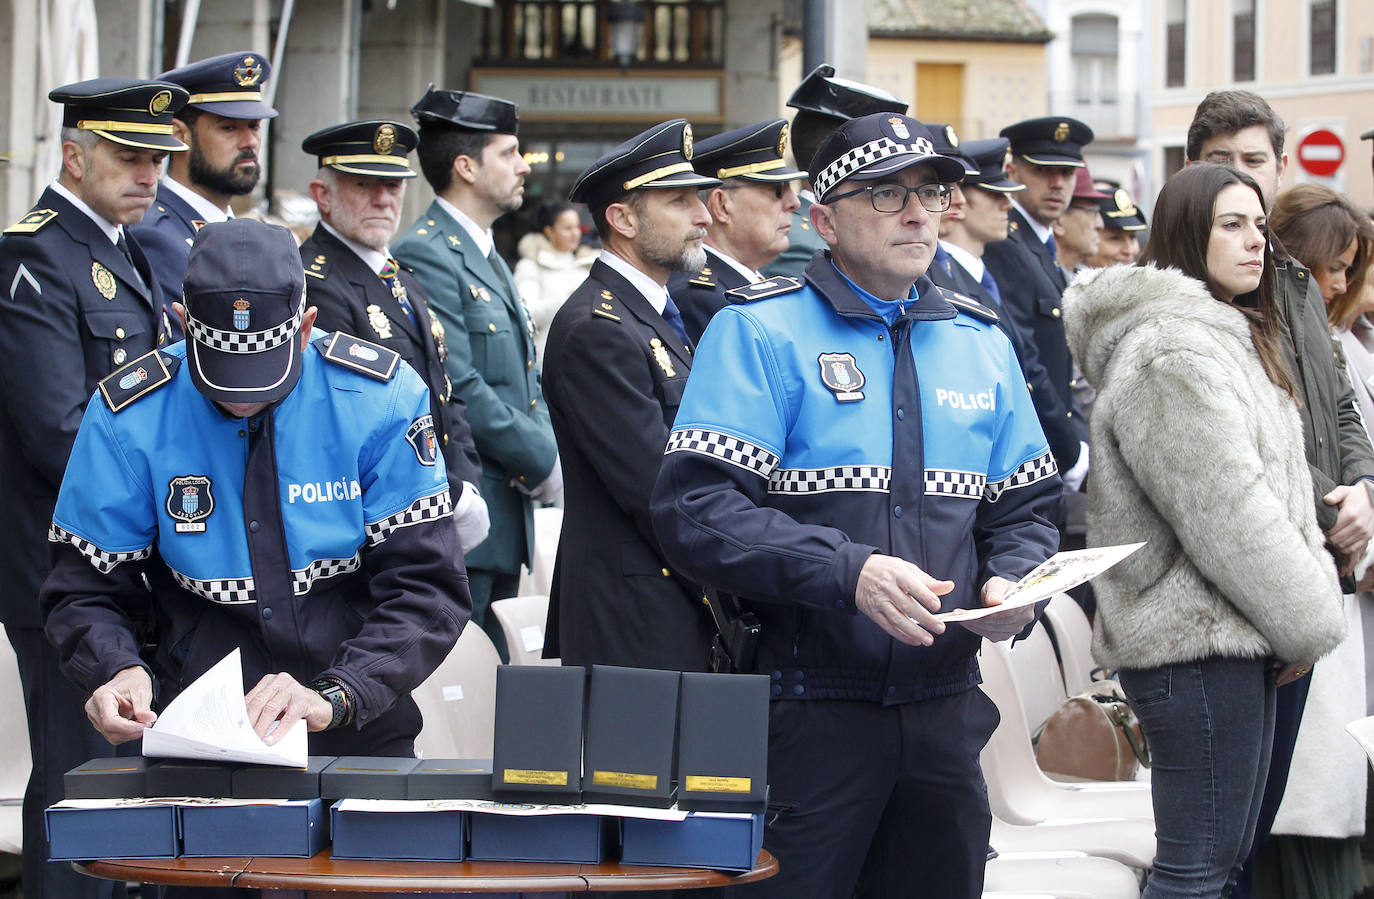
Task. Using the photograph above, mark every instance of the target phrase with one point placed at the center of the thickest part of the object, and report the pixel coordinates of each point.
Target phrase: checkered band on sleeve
(246, 341)
(426, 508)
(740, 453)
(1028, 473)
(318, 570)
(865, 155)
(228, 592)
(950, 482)
(103, 561)
(866, 478)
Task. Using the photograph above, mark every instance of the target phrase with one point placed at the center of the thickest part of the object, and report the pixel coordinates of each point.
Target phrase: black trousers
(878, 793)
(60, 739)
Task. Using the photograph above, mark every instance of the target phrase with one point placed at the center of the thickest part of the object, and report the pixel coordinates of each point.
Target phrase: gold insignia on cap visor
(385, 139)
(782, 139)
(161, 100)
(1061, 132)
(687, 141)
(1124, 204)
(248, 73)
(951, 136)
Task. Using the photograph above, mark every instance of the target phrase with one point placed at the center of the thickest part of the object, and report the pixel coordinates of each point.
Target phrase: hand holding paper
(210, 720)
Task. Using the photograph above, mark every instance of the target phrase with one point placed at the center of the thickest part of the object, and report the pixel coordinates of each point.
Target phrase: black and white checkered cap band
(226, 592)
(426, 508)
(245, 341)
(730, 449)
(103, 561)
(1027, 473)
(865, 155)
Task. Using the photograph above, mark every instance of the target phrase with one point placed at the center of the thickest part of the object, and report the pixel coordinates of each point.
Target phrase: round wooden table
(324, 873)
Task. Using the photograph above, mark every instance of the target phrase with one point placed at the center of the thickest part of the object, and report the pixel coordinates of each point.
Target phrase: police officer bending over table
(851, 456)
(282, 495)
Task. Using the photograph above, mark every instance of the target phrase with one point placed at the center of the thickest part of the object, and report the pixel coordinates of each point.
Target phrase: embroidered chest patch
(189, 503)
(841, 375)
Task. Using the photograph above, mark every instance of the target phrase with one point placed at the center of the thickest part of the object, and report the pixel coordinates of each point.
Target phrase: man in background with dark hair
(222, 124)
(823, 103)
(470, 156)
(1240, 129)
(616, 364)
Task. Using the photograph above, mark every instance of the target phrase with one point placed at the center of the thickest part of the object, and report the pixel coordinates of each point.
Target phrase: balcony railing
(688, 33)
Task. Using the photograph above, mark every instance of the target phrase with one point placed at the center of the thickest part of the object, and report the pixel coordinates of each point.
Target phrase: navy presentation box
(703, 840)
(631, 726)
(537, 745)
(275, 782)
(186, 777)
(142, 830)
(366, 777)
(722, 761)
(540, 838)
(422, 835)
(285, 830)
(450, 779)
(107, 779)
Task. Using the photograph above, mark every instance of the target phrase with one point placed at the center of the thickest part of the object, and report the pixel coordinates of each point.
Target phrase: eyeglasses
(779, 188)
(892, 198)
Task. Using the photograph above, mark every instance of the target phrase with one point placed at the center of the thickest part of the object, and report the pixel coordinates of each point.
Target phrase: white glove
(470, 515)
(548, 489)
(1073, 478)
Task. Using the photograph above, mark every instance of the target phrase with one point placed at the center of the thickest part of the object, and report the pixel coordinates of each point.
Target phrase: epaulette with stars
(137, 379)
(606, 307)
(773, 287)
(968, 305)
(318, 267)
(703, 278)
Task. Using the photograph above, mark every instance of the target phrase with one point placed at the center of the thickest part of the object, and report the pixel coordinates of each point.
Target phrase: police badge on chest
(189, 503)
(841, 375)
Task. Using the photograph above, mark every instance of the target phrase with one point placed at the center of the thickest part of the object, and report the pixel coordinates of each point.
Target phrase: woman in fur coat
(1197, 449)
(552, 264)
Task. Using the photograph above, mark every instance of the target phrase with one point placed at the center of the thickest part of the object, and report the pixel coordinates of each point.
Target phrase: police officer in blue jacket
(283, 495)
(222, 124)
(79, 300)
(849, 457)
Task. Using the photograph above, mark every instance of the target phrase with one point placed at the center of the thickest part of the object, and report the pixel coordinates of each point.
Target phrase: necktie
(673, 316)
(398, 290)
(123, 246)
(990, 285)
(498, 265)
(942, 259)
(264, 531)
(1054, 247)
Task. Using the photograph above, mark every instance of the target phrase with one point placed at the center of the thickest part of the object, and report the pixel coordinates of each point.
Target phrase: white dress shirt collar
(748, 273)
(1041, 231)
(375, 259)
(480, 236)
(110, 229)
(655, 293)
(971, 263)
(207, 211)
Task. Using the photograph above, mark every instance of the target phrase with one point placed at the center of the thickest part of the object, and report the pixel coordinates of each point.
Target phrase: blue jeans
(1210, 725)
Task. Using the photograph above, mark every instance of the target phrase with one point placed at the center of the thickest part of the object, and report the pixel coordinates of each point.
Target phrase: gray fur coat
(1196, 451)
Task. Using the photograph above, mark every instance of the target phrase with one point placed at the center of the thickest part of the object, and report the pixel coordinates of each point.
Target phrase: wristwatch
(340, 702)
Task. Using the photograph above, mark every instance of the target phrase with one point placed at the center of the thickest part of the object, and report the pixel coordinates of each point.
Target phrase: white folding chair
(1018, 790)
(1129, 841)
(1073, 634)
(1064, 875)
(1038, 680)
(548, 524)
(458, 701)
(15, 761)
(522, 620)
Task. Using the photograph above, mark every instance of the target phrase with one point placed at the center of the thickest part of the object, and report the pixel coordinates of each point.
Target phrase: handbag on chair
(1094, 736)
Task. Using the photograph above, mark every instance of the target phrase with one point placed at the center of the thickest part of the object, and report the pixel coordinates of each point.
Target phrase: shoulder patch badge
(840, 373)
(318, 267)
(137, 379)
(763, 289)
(377, 362)
(33, 222)
(968, 305)
(420, 436)
(189, 502)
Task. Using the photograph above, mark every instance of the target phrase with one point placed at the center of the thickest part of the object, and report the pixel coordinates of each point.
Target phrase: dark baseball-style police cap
(125, 110)
(946, 141)
(1051, 140)
(1119, 211)
(229, 85)
(754, 153)
(870, 147)
(990, 158)
(376, 147)
(659, 157)
(839, 98)
(464, 109)
(245, 298)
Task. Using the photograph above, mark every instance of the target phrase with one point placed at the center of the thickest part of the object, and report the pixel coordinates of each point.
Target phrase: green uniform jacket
(805, 242)
(491, 365)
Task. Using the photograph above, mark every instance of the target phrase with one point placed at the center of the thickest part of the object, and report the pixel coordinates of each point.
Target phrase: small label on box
(622, 779)
(534, 776)
(702, 783)
(453, 692)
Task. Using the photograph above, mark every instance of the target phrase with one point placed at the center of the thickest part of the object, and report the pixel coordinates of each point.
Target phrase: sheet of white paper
(209, 720)
(518, 809)
(1060, 572)
(1363, 730)
(532, 636)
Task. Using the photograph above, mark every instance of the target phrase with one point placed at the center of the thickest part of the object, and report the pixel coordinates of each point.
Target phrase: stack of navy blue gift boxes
(632, 765)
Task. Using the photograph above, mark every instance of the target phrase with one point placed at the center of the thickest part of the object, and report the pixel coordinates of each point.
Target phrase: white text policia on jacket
(323, 492)
(986, 400)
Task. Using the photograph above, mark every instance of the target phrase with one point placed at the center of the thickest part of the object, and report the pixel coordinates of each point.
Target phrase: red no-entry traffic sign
(1321, 152)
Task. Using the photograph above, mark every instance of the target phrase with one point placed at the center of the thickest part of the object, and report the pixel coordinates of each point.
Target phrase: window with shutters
(1243, 40)
(558, 32)
(1322, 22)
(1176, 43)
